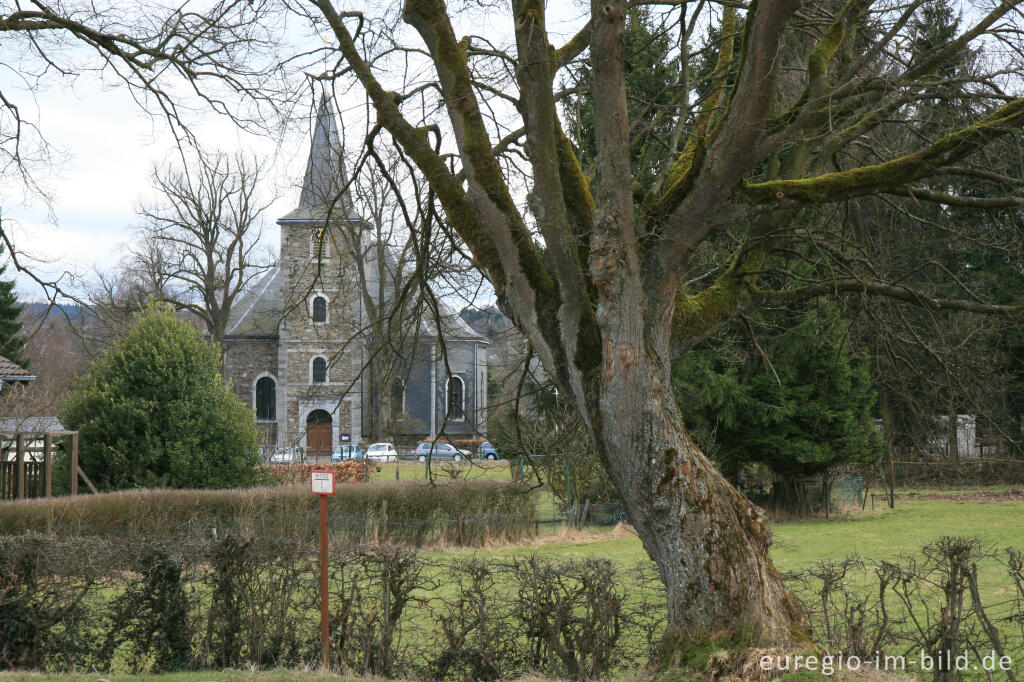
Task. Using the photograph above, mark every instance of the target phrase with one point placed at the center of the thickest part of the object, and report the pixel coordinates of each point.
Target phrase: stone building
(296, 345)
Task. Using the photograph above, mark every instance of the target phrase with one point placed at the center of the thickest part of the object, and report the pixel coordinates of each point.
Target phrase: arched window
(319, 370)
(319, 309)
(266, 400)
(456, 398)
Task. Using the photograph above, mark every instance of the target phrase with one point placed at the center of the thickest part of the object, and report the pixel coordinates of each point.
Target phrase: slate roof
(452, 325)
(325, 170)
(31, 424)
(258, 312)
(10, 371)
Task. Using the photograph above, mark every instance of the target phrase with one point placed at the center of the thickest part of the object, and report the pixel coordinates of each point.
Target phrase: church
(298, 346)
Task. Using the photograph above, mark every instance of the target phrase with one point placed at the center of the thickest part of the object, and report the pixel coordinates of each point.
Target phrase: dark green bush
(154, 411)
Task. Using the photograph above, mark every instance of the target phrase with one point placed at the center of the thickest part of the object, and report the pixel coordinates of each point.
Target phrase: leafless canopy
(201, 238)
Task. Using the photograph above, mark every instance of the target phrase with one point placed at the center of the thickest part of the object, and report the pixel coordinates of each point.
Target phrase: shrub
(298, 474)
(154, 411)
(415, 513)
(563, 453)
(250, 602)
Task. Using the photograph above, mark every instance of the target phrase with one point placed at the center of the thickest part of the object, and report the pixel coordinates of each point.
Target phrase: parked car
(382, 452)
(488, 451)
(347, 451)
(283, 456)
(439, 451)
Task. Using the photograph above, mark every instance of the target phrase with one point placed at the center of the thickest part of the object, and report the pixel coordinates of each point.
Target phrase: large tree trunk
(710, 543)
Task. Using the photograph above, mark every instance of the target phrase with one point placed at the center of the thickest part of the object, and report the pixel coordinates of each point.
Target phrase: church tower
(297, 343)
(319, 353)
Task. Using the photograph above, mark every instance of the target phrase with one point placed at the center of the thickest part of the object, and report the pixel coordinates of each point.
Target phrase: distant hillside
(36, 312)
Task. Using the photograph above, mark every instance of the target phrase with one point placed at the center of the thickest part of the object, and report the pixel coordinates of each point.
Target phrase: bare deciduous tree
(603, 302)
(201, 238)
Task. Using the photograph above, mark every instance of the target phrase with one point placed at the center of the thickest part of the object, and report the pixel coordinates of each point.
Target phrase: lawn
(797, 544)
(203, 676)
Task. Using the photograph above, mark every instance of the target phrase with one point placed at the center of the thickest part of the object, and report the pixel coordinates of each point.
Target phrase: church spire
(325, 170)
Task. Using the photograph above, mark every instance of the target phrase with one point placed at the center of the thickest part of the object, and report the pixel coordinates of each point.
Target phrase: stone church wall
(245, 360)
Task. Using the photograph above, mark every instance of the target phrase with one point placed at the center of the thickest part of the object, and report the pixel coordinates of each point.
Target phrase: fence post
(892, 482)
(47, 465)
(20, 448)
(568, 482)
(73, 469)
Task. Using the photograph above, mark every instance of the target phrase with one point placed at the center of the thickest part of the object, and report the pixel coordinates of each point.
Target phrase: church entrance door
(318, 434)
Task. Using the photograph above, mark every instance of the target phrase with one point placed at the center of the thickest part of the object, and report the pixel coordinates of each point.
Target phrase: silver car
(439, 451)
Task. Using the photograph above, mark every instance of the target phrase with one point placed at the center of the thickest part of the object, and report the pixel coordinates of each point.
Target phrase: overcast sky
(106, 149)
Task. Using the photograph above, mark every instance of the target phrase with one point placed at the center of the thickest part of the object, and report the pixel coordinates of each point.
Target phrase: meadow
(921, 516)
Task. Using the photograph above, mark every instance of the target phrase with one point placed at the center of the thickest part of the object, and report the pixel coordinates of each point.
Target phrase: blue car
(488, 451)
(347, 451)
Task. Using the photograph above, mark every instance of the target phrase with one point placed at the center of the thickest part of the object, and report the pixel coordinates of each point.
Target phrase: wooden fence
(26, 464)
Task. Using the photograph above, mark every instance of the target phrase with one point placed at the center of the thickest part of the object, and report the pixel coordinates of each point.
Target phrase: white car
(382, 452)
(283, 456)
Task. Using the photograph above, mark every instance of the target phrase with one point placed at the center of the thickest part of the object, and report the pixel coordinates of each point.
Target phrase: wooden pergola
(21, 438)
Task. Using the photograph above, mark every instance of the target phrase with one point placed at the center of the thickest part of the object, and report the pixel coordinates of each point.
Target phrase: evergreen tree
(653, 88)
(798, 403)
(10, 343)
(155, 412)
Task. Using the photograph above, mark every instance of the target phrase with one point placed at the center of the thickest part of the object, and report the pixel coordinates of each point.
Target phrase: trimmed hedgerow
(414, 513)
(352, 471)
(140, 605)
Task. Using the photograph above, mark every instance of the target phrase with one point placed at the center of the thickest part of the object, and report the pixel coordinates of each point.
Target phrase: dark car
(439, 451)
(488, 451)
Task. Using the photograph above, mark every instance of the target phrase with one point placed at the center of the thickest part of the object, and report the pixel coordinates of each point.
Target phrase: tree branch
(886, 290)
(894, 174)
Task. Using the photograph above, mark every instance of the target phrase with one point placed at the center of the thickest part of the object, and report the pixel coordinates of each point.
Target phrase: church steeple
(325, 170)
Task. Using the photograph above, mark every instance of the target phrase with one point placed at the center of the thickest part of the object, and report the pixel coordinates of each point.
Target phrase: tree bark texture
(710, 543)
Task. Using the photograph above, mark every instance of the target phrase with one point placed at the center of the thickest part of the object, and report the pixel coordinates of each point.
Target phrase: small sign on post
(322, 483)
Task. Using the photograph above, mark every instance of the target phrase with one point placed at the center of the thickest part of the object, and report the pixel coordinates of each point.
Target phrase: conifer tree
(10, 310)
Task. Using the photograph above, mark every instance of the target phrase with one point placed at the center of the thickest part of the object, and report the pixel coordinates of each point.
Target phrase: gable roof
(31, 425)
(11, 371)
(257, 314)
(452, 324)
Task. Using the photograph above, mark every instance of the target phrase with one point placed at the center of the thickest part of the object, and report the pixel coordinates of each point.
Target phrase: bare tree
(148, 47)
(603, 302)
(201, 238)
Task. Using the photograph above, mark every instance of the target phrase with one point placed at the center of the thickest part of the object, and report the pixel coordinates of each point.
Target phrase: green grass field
(211, 676)
(879, 534)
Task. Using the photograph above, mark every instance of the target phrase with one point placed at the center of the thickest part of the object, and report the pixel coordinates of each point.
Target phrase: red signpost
(322, 483)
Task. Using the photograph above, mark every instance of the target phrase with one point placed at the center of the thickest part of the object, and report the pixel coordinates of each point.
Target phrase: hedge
(111, 604)
(414, 513)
